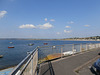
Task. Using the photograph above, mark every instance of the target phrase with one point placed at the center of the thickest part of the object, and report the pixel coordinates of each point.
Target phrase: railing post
(32, 65)
(89, 46)
(86, 46)
(37, 61)
(99, 45)
(61, 51)
(80, 47)
(95, 46)
(73, 48)
(37, 55)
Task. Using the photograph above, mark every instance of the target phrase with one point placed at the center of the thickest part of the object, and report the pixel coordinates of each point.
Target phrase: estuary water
(12, 56)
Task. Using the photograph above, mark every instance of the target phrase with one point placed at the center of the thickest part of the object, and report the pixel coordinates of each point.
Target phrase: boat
(11, 47)
(69, 52)
(54, 47)
(45, 43)
(28, 52)
(30, 44)
(10, 42)
(1, 56)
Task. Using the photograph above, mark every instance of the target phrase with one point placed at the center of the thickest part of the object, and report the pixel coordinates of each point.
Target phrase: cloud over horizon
(27, 26)
(87, 25)
(58, 33)
(67, 31)
(71, 22)
(52, 20)
(45, 19)
(67, 27)
(45, 26)
(2, 13)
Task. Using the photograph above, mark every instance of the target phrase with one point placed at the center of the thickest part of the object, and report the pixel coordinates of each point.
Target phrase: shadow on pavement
(49, 70)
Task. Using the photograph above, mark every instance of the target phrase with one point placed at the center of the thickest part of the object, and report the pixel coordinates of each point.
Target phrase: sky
(49, 19)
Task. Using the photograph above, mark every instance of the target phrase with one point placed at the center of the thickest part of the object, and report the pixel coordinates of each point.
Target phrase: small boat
(69, 52)
(54, 47)
(11, 47)
(45, 43)
(31, 44)
(28, 52)
(10, 42)
(1, 56)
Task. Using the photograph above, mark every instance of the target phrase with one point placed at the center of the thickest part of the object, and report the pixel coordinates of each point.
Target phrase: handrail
(27, 63)
(34, 59)
(65, 44)
(23, 61)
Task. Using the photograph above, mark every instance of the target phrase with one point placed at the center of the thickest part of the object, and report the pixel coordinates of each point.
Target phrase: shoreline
(50, 39)
(7, 68)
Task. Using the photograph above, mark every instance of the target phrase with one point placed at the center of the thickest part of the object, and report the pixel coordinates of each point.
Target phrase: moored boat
(11, 47)
(30, 44)
(69, 52)
(28, 52)
(45, 43)
(10, 42)
(1, 56)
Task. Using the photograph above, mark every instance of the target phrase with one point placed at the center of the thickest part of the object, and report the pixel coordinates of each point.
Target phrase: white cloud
(87, 25)
(45, 26)
(52, 20)
(68, 27)
(45, 19)
(67, 31)
(2, 13)
(58, 33)
(71, 22)
(27, 26)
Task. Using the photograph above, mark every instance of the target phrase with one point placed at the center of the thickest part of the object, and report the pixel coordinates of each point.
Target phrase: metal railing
(41, 54)
(58, 51)
(28, 66)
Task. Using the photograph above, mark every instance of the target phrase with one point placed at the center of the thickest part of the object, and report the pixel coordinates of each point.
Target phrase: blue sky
(49, 18)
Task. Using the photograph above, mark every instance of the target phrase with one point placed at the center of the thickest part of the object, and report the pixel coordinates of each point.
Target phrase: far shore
(49, 39)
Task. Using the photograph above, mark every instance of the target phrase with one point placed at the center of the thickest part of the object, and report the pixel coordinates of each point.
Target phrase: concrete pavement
(67, 65)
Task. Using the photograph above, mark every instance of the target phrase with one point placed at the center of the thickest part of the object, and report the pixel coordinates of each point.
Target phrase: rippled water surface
(12, 56)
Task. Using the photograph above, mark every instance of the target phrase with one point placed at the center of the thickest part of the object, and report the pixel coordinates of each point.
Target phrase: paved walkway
(67, 65)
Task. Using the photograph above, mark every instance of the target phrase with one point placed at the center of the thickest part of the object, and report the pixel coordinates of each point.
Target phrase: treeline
(84, 38)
